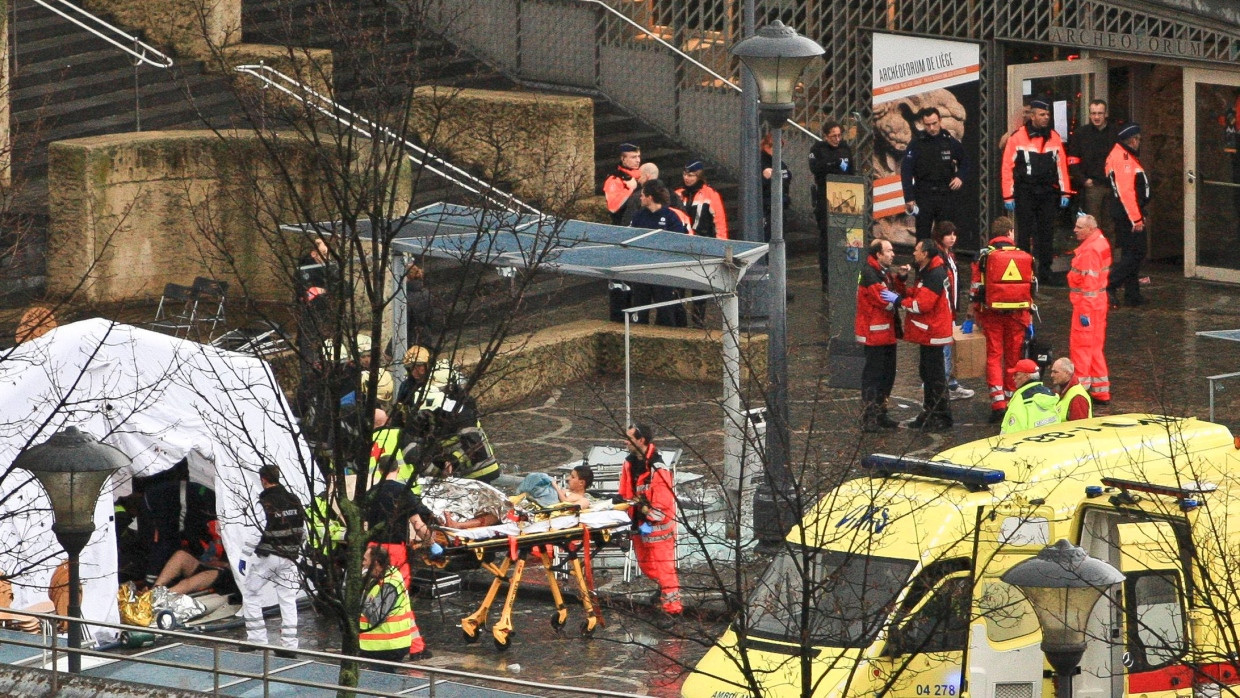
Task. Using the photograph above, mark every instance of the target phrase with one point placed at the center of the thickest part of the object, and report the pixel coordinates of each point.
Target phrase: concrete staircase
(68, 83)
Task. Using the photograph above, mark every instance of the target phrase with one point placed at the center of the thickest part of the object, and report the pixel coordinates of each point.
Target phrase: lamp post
(72, 466)
(776, 56)
(1063, 585)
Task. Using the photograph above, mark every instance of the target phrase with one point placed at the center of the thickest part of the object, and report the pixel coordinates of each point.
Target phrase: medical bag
(1007, 274)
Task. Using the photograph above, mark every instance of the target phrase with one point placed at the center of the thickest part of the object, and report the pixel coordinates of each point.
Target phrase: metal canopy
(503, 238)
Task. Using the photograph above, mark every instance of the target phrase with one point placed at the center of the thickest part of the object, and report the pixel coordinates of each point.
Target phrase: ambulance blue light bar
(974, 478)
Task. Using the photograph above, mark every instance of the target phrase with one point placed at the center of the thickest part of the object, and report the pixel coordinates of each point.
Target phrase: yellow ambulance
(891, 583)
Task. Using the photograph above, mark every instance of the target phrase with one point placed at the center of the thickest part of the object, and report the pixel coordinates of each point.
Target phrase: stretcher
(505, 549)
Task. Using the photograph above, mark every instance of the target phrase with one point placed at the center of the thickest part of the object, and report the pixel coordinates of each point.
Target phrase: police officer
(1033, 404)
(932, 172)
(829, 156)
(1132, 193)
(878, 327)
(1034, 176)
(274, 562)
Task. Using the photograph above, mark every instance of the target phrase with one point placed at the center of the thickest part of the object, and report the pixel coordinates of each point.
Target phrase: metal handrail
(686, 57)
(268, 675)
(163, 62)
(333, 110)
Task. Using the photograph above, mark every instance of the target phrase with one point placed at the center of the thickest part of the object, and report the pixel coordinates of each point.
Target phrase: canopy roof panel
(576, 247)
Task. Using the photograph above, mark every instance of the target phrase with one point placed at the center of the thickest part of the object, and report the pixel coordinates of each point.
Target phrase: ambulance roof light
(974, 479)
(1186, 491)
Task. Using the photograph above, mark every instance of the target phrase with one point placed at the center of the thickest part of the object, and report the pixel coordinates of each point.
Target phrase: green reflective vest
(397, 630)
(1062, 408)
(1032, 405)
(387, 440)
(326, 529)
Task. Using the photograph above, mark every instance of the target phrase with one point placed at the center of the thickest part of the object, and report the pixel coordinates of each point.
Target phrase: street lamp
(776, 56)
(1063, 585)
(72, 466)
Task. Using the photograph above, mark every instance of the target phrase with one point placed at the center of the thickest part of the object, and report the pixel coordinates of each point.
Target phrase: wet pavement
(1157, 364)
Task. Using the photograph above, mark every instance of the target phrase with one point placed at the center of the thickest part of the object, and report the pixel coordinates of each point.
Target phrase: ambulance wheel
(557, 623)
(587, 630)
(166, 620)
(503, 645)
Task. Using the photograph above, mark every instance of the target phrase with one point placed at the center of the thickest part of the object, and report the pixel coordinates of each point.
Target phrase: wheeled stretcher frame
(578, 543)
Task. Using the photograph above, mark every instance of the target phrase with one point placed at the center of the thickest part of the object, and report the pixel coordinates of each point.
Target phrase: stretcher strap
(585, 556)
(512, 547)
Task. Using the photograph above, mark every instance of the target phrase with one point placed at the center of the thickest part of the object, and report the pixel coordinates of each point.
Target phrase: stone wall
(555, 356)
(540, 147)
(131, 212)
(188, 27)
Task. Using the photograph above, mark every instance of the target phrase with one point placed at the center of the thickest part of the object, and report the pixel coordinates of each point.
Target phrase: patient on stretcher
(542, 488)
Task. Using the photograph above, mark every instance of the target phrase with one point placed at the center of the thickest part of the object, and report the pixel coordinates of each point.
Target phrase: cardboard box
(969, 354)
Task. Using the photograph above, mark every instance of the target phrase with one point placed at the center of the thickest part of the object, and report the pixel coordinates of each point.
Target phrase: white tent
(158, 399)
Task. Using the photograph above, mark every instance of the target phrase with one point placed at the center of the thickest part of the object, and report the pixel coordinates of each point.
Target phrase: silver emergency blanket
(185, 608)
(463, 498)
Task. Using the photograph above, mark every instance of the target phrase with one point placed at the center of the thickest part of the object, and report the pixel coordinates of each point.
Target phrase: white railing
(84, 20)
(418, 155)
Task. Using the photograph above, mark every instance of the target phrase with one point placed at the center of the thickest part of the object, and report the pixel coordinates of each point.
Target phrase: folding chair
(176, 311)
(210, 294)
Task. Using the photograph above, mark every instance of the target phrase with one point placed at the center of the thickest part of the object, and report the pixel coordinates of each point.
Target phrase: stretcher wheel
(503, 645)
(471, 639)
(558, 623)
(587, 628)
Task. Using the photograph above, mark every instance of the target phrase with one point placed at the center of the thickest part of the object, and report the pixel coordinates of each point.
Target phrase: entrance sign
(912, 73)
(1132, 43)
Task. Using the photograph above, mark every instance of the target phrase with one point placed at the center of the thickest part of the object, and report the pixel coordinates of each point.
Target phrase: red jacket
(707, 208)
(616, 188)
(1034, 161)
(929, 312)
(1090, 274)
(652, 481)
(1129, 182)
(876, 318)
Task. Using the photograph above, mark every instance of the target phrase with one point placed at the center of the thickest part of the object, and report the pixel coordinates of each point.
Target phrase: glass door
(1211, 175)
(1066, 85)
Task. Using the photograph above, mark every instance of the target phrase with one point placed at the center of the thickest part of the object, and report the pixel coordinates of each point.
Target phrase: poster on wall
(911, 74)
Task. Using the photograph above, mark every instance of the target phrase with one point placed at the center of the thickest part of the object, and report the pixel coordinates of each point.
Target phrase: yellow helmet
(416, 355)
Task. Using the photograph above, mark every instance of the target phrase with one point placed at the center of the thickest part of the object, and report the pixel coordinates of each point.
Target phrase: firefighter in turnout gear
(1001, 300)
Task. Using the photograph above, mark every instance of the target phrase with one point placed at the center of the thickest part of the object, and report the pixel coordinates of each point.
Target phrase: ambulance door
(1155, 617)
(927, 641)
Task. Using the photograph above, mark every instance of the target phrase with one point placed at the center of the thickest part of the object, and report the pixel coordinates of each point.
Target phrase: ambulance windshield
(847, 596)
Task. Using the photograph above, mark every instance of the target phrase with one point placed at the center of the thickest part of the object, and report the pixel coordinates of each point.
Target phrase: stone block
(187, 27)
(131, 212)
(540, 147)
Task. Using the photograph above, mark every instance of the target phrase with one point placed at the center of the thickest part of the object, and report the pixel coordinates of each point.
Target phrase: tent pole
(628, 376)
(733, 438)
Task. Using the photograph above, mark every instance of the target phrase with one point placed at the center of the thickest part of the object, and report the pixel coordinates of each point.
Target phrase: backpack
(1007, 279)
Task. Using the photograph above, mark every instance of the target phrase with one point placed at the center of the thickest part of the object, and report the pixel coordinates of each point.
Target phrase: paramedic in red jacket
(1087, 289)
(929, 324)
(1004, 329)
(621, 184)
(647, 480)
(877, 327)
(1034, 176)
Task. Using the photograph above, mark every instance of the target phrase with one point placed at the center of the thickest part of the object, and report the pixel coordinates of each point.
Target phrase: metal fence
(51, 653)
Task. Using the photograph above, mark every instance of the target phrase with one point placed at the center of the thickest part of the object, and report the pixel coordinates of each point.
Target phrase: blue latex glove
(844, 165)
(1009, 206)
(436, 550)
(1029, 332)
(967, 327)
(1064, 201)
(1084, 321)
(888, 295)
(916, 210)
(645, 529)
(241, 567)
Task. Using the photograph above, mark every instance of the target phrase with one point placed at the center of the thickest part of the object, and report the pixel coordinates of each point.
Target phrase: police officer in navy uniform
(932, 173)
(829, 156)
